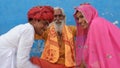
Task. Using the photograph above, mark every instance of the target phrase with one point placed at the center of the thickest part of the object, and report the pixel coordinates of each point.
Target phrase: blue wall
(14, 12)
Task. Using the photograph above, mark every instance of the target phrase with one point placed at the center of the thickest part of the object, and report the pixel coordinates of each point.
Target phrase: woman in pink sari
(97, 40)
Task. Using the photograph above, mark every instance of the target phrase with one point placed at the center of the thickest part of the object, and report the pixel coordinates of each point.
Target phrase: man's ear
(64, 16)
(33, 21)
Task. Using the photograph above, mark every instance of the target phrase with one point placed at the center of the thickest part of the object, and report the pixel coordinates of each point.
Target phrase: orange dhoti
(45, 64)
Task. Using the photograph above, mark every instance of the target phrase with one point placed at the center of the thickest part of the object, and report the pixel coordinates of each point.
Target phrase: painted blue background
(14, 12)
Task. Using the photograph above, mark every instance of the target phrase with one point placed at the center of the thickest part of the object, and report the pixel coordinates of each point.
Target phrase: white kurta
(15, 46)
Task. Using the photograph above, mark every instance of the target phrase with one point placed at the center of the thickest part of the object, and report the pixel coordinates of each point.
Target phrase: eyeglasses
(59, 15)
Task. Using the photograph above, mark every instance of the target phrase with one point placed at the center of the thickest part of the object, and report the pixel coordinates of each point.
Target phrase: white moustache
(58, 27)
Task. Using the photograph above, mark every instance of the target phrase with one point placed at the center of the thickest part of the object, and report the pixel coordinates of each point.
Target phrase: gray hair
(55, 8)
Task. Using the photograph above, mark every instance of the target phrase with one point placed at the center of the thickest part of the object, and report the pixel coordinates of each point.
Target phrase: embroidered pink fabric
(99, 45)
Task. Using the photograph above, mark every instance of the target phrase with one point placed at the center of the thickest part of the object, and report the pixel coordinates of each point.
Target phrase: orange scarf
(51, 50)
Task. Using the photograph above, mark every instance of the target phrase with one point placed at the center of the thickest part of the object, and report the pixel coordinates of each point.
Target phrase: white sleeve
(24, 47)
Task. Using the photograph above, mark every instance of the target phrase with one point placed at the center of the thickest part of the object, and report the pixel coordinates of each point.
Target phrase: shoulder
(25, 28)
(98, 21)
(71, 27)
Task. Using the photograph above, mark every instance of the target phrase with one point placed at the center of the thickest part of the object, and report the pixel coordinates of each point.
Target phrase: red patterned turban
(41, 13)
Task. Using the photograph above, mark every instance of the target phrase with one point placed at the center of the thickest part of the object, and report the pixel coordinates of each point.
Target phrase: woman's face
(81, 20)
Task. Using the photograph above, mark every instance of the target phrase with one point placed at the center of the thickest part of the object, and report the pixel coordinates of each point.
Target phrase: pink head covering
(41, 13)
(88, 15)
(98, 46)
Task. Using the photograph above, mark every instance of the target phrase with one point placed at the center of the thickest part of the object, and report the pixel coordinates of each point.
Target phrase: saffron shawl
(51, 50)
(98, 46)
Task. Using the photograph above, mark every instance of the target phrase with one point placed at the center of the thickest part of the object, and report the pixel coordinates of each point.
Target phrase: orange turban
(41, 13)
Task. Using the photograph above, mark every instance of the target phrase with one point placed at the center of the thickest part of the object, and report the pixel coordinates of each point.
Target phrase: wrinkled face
(40, 26)
(81, 20)
(58, 16)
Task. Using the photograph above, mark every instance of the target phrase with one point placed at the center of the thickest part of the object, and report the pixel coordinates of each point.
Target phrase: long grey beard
(59, 27)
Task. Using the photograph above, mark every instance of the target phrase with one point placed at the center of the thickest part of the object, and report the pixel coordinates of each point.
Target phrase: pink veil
(100, 47)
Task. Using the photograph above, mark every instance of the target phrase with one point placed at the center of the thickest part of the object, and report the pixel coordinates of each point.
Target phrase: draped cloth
(15, 46)
(51, 52)
(45, 64)
(100, 47)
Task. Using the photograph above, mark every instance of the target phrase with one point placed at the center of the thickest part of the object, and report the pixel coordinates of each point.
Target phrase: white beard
(59, 27)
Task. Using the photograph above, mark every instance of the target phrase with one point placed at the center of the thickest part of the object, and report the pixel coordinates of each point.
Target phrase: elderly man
(59, 44)
(15, 45)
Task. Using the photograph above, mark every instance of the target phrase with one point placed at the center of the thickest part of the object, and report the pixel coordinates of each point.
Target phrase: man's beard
(59, 27)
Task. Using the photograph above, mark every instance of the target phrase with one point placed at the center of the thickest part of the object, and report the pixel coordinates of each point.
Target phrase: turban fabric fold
(41, 13)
